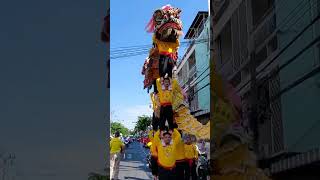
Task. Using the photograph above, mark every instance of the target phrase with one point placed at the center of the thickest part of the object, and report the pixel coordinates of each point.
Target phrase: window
(259, 9)
(318, 7)
(236, 80)
(273, 44)
(261, 55)
(192, 60)
(225, 43)
(318, 61)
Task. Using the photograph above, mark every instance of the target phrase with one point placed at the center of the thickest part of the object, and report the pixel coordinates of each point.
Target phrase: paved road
(133, 165)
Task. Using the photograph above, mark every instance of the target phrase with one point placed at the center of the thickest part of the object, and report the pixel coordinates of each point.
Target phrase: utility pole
(212, 75)
(211, 61)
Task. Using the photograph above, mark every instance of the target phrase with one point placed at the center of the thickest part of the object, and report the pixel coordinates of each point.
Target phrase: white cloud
(129, 115)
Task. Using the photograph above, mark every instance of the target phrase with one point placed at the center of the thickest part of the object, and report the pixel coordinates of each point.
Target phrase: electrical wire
(283, 49)
(135, 53)
(141, 51)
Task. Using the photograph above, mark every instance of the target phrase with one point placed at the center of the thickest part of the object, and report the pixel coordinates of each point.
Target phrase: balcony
(265, 28)
(192, 73)
(219, 7)
(227, 69)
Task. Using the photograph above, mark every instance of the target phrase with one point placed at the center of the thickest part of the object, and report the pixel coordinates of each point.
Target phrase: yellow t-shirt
(153, 148)
(166, 47)
(115, 145)
(190, 151)
(165, 96)
(166, 154)
(154, 101)
(180, 155)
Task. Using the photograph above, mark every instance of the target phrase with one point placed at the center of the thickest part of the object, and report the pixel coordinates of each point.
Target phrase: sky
(53, 87)
(128, 100)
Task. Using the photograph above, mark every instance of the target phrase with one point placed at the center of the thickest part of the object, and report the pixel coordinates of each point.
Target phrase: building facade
(193, 71)
(269, 51)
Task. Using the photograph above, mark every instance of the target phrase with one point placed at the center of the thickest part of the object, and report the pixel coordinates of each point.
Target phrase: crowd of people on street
(174, 155)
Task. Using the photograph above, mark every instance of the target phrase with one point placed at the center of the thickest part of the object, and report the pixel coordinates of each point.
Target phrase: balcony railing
(192, 72)
(219, 7)
(265, 28)
(227, 69)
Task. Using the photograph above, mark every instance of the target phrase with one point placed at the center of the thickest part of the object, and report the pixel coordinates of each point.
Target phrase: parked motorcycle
(202, 166)
(149, 161)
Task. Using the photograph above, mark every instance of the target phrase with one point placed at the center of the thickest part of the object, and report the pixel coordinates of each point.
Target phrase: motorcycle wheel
(201, 174)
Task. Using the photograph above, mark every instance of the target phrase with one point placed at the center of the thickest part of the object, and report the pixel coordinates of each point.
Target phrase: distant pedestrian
(116, 149)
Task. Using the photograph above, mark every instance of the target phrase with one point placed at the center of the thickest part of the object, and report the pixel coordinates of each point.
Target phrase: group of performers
(173, 157)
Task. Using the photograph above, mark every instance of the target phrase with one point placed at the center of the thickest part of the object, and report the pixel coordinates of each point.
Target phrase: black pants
(166, 114)
(191, 171)
(181, 168)
(165, 174)
(155, 87)
(175, 126)
(165, 66)
(155, 122)
(154, 166)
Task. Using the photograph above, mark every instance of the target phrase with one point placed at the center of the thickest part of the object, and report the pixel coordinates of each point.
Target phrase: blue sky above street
(53, 87)
(128, 20)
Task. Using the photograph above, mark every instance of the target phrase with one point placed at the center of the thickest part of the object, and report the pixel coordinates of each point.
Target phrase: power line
(148, 48)
(133, 52)
(148, 45)
(308, 75)
(201, 88)
(283, 50)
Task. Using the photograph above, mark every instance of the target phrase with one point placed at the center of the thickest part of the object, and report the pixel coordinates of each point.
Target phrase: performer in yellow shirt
(191, 155)
(154, 155)
(165, 87)
(116, 148)
(168, 55)
(166, 151)
(181, 164)
(156, 111)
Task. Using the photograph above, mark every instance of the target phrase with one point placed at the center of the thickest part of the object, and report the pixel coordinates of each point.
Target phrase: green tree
(143, 123)
(116, 126)
(96, 176)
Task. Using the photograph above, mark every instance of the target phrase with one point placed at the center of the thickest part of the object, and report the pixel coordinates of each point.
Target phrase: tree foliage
(143, 123)
(116, 126)
(96, 176)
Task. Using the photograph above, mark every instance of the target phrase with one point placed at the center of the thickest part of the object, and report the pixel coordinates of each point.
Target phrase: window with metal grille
(226, 44)
(261, 56)
(318, 7)
(236, 80)
(273, 44)
(260, 9)
(318, 53)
